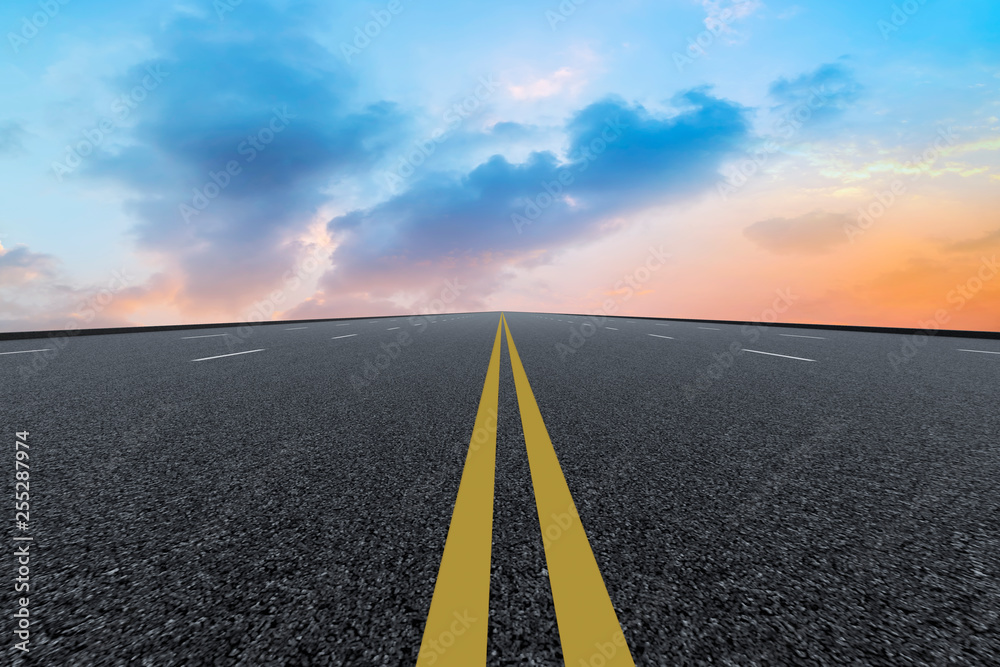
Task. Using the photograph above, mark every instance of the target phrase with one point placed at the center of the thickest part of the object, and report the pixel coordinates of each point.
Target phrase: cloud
(20, 266)
(790, 12)
(12, 136)
(990, 240)
(224, 83)
(554, 84)
(827, 91)
(620, 158)
(35, 296)
(719, 14)
(510, 131)
(920, 161)
(809, 234)
(272, 102)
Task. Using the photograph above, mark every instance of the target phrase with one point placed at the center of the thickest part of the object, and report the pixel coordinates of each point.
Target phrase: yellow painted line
(588, 626)
(455, 634)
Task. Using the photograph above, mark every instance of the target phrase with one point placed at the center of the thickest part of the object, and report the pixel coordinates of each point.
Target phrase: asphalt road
(750, 509)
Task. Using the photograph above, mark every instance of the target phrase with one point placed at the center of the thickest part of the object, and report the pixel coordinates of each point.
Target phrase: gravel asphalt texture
(264, 509)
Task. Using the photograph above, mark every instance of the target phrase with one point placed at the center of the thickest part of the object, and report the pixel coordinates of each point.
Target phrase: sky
(173, 162)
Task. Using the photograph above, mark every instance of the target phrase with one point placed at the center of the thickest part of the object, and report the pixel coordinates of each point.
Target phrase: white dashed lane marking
(798, 336)
(772, 354)
(234, 354)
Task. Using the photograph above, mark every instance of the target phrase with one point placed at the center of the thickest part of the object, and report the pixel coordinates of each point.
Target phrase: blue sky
(181, 86)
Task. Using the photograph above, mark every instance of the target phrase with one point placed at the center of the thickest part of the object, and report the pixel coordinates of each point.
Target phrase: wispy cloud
(12, 135)
(554, 84)
(987, 241)
(833, 84)
(811, 233)
(19, 266)
(720, 14)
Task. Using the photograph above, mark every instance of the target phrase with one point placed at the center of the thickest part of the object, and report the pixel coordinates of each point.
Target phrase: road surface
(748, 495)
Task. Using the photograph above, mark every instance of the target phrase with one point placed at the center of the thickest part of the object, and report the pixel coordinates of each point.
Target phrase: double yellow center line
(456, 629)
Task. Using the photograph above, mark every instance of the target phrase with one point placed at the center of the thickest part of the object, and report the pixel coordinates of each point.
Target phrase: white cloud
(794, 10)
(560, 80)
(720, 14)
